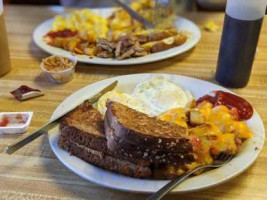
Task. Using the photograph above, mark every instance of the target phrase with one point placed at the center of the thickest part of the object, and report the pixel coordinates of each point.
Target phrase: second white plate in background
(181, 23)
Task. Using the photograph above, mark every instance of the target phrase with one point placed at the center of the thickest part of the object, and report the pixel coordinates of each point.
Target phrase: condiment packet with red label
(24, 92)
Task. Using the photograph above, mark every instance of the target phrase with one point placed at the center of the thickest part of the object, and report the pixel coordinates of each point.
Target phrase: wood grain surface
(34, 173)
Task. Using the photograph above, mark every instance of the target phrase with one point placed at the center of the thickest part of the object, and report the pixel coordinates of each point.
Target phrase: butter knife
(48, 126)
(135, 15)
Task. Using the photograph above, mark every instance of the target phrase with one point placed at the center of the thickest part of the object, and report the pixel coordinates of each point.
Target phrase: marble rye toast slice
(82, 135)
(142, 137)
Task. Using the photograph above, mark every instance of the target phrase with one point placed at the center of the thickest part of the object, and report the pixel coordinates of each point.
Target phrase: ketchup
(25, 89)
(63, 34)
(245, 110)
(4, 122)
(22, 90)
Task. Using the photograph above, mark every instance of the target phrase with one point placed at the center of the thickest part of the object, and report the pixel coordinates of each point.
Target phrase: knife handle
(32, 136)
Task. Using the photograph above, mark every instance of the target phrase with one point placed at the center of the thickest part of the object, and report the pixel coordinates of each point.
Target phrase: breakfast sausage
(156, 36)
(153, 47)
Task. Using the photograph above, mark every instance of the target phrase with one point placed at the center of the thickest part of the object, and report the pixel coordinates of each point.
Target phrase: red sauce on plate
(63, 34)
(245, 110)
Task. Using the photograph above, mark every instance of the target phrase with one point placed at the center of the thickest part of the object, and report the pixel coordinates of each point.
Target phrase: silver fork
(219, 162)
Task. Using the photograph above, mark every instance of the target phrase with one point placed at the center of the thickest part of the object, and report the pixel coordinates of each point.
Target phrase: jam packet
(24, 92)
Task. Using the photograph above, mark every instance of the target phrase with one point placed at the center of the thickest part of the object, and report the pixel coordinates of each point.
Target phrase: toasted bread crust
(71, 134)
(92, 147)
(140, 129)
(107, 162)
(131, 133)
(91, 141)
(87, 119)
(155, 157)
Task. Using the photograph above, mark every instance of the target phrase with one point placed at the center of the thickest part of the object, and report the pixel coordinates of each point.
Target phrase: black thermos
(242, 25)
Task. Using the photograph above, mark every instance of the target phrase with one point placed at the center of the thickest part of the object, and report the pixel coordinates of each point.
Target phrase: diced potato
(241, 130)
(58, 42)
(206, 109)
(196, 117)
(201, 146)
(72, 44)
(201, 130)
(224, 143)
(193, 165)
(77, 50)
(83, 34)
(176, 115)
(168, 171)
(89, 51)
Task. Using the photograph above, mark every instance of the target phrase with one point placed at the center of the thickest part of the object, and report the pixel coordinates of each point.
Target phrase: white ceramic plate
(245, 158)
(181, 23)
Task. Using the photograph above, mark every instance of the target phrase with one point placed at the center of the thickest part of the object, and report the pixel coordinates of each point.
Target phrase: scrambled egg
(91, 26)
(85, 22)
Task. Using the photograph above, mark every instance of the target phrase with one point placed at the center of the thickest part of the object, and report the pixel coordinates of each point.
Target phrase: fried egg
(162, 95)
(125, 99)
(152, 97)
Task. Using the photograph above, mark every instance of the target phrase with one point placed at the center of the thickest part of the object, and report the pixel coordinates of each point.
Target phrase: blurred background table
(34, 172)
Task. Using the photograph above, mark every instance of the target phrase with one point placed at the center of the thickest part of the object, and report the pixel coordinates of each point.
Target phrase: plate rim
(133, 61)
(229, 177)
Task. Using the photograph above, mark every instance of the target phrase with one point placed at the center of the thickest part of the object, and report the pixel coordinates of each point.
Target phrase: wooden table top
(34, 172)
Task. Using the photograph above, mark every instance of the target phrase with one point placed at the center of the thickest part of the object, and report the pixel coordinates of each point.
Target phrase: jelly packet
(24, 92)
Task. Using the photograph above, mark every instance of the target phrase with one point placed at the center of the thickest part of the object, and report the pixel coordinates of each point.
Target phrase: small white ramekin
(61, 76)
(16, 129)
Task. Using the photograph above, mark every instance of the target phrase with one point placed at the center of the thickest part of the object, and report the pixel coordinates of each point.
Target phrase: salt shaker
(4, 51)
(242, 25)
